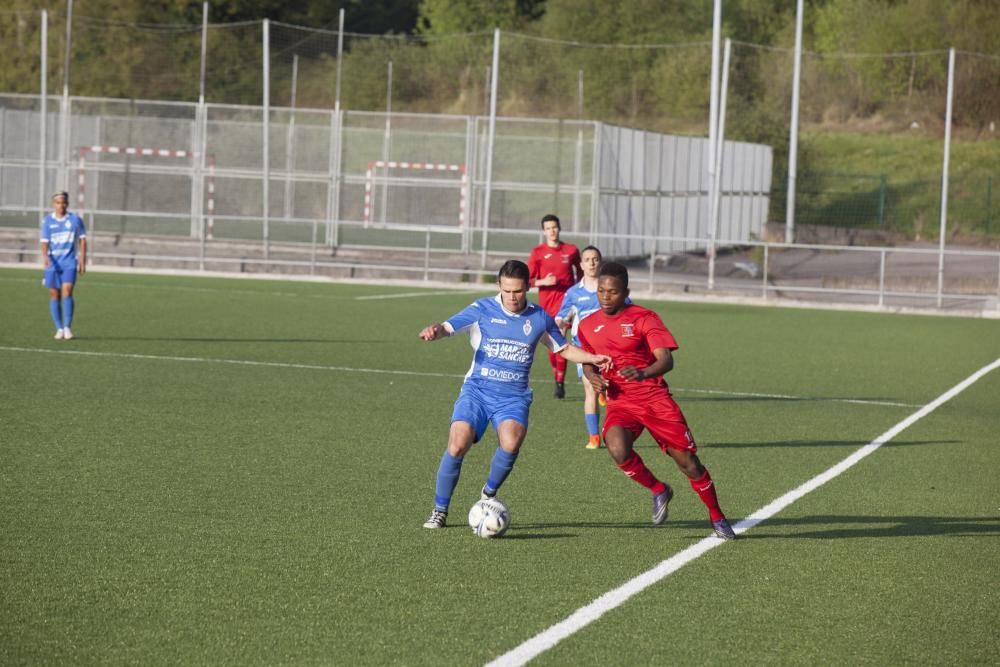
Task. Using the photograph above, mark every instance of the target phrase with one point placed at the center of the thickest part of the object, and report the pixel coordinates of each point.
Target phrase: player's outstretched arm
(434, 331)
(577, 355)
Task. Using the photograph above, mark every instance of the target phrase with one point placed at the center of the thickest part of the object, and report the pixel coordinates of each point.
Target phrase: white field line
(586, 615)
(235, 362)
(262, 293)
(408, 295)
(348, 369)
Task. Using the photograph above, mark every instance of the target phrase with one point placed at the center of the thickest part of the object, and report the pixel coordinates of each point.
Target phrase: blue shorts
(54, 276)
(478, 407)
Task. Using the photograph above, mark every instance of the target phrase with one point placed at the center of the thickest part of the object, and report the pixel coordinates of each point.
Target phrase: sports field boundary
(486, 287)
(586, 615)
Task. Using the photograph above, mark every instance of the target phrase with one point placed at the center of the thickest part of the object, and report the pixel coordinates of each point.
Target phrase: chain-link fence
(266, 140)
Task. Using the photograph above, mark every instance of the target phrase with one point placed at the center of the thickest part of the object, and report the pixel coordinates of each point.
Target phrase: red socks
(558, 366)
(634, 468)
(705, 488)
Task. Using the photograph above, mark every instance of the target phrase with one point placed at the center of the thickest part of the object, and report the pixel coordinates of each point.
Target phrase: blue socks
(54, 311)
(67, 311)
(447, 478)
(593, 422)
(451, 467)
(500, 467)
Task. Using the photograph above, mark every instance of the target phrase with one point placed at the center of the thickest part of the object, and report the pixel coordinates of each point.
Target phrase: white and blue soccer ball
(489, 518)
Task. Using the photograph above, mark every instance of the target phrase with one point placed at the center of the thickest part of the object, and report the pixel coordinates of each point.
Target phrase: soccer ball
(489, 518)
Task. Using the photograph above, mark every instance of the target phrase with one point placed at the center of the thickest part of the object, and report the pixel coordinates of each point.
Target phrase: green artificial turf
(235, 472)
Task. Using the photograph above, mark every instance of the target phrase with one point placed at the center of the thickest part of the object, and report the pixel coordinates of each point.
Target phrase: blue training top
(578, 302)
(504, 342)
(61, 236)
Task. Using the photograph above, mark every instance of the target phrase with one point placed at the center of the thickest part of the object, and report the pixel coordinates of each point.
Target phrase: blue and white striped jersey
(61, 236)
(504, 342)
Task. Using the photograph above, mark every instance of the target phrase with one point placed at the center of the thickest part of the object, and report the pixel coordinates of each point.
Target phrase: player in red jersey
(640, 347)
(553, 268)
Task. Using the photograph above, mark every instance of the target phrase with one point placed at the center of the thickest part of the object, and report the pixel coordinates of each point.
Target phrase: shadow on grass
(790, 399)
(852, 527)
(874, 526)
(813, 443)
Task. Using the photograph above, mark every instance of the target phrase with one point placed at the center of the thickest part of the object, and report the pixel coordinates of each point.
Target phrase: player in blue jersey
(504, 331)
(60, 232)
(581, 300)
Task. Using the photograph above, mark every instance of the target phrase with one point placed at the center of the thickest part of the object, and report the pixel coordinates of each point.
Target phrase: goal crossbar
(416, 166)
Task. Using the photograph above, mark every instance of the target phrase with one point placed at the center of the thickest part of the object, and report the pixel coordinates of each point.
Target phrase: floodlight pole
(490, 140)
(793, 140)
(944, 174)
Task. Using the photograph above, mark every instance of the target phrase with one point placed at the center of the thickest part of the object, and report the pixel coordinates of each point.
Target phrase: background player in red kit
(640, 346)
(553, 268)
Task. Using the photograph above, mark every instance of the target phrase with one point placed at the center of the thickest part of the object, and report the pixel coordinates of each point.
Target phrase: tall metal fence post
(490, 139)
(713, 111)
(266, 166)
(716, 190)
(290, 142)
(340, 59)
(64, 149)
(386, 144)
(793, 139)
(763, 280)
(43, 118)
(578, 156)
(336, 143)
(201, 142)
(944, 174)
(989, 202)
(881, 278)
(881, 200)
(595, 182)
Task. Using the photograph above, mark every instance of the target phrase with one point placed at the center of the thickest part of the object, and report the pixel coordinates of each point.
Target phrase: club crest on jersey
(527, 327)
(68, 224)
(628, 329)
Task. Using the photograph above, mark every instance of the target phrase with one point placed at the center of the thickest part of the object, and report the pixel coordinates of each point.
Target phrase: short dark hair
(513, 268)
(551, 216)
(595, 249)
(614, 270)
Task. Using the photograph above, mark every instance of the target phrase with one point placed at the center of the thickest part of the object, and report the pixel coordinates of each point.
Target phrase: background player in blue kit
(579, 301)
(60, 232)
(504, 331)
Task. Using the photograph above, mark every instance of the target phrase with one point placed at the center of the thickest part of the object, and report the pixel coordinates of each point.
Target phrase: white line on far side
(381, 371)
(586, 615)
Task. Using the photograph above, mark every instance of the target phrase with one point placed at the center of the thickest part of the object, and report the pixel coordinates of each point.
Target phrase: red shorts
(660, 415)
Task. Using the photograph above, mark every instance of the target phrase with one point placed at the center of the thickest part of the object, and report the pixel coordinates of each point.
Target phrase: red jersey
(564, 262)
(629, 338)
